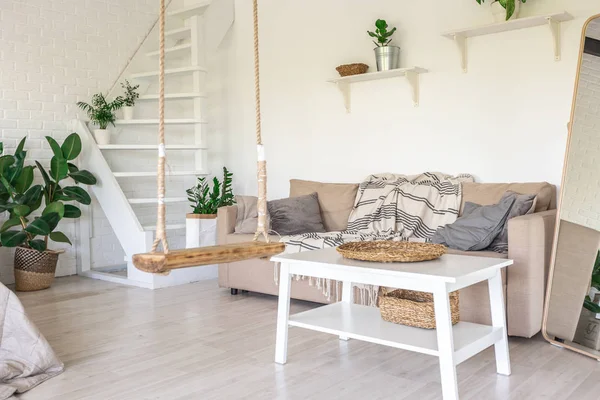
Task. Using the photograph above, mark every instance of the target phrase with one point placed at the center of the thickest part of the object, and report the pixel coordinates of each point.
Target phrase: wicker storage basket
(34, 270)
(390, 251)
(411, 308)
(352, 69)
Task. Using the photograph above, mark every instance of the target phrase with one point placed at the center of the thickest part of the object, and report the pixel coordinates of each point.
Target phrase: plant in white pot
(201, 223)
(35, 263)
(101, 112)
(504, 10)
(131, 95)
(388, 57)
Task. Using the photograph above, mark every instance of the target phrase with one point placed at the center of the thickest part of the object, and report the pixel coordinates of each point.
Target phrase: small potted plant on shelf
(387, 57)
(34, 262)
(201, 223)
(504, 10)
(131, 95)
(101, 112)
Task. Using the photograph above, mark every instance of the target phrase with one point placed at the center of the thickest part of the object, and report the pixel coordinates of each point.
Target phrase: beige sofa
(530, 242)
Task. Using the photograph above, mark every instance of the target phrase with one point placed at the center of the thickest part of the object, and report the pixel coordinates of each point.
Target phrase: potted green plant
(28, 230)
(131, 95)
(101, 112)
(504, 10)
(387, 57)
(201, 222)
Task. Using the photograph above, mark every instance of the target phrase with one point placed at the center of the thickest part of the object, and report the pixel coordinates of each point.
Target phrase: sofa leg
(234, 292)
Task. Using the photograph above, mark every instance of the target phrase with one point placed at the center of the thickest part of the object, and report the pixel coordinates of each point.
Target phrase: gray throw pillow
(296, 215)
(524, 204)
(477, 229)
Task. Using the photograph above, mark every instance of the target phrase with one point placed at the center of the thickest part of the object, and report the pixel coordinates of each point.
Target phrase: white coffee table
(452, 344)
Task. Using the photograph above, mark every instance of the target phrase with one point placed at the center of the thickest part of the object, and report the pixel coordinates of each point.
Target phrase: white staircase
(126, 168)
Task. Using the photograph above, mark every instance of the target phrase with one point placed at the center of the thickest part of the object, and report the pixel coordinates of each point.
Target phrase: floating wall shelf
(412, 75)
(552, 20)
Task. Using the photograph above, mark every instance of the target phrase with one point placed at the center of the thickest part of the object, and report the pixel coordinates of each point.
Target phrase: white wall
(503, 121)
(53, 54)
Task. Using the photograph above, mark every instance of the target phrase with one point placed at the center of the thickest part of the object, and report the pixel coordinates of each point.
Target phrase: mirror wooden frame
(571, 346)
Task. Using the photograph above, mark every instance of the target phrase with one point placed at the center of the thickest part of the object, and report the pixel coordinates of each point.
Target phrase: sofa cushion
(335, 199)
(491, 193)
(524, 204)
(296, 215)
(247, 214)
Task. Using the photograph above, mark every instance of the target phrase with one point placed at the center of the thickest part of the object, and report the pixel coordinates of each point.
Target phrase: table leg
(499, 321)
(283, 314)
(347, 297)
(445, 340)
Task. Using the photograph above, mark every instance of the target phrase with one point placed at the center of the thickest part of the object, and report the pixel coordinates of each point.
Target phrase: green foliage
(20, 199)
(381, 33)
(588, 302)
(102, 112)
(131, 94)
(509, 5)
(205, 201)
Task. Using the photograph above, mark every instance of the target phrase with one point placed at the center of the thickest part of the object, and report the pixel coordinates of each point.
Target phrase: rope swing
(156, 262)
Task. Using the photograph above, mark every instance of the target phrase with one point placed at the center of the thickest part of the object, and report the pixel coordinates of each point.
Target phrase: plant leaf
(78, 194)
(72, 167)
(38, 227)
(10, 223)
(58, 168)
(45, 176)
(37, 244)
(71, 146)
(24, 181)
(60, 237)
(13, 238)
(84, 177)
(33, 197)
(21, 210)
(56, 207)
(6, 161)
(21, 146)
(71, 211)
(55, 147)
(52, 219)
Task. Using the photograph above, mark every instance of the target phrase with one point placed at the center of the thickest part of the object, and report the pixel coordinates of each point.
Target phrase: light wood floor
(199, 342)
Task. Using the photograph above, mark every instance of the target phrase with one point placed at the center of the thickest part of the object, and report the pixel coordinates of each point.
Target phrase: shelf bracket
(413, 78)
(346, 91)
(461, 42)
(555, 29)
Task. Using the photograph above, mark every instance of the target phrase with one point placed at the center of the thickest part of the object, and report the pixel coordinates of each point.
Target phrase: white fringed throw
(387, 207)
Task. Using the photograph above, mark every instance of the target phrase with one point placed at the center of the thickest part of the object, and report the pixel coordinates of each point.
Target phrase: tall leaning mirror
(572, 312)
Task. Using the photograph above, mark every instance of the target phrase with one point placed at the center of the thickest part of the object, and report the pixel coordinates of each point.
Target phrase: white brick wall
(581, 202)
(54, 53)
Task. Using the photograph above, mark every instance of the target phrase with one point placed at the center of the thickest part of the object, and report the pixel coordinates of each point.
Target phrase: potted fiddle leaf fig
(131, 95)
(387, 57)
(102, 113)
(28, 230)
(504, 10)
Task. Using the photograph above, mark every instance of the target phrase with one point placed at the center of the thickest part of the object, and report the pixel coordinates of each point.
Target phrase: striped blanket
(391, 207)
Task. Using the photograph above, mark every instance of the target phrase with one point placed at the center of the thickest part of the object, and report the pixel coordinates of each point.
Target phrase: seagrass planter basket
(352, 69)
(34, 270)
(412, 308)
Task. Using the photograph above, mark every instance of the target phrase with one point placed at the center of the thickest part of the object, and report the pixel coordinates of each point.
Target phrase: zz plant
(509, 5)
(21, 199)
(207, 201)
(588, 303)
(381, 34)
(101, 111)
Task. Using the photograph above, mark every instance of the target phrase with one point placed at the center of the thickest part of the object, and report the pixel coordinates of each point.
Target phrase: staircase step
(155, 200)
(173, 96)
(170, 71)
(179, 33)
(191, 11)
(155, 121)
(182, 48)
(153, 173)
(171, 227)
(150, 147)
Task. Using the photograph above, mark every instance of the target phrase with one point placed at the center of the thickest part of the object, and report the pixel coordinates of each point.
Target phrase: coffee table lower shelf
(365, 323)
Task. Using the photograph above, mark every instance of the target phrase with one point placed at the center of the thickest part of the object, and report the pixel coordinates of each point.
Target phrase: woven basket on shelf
(389, 251)
(411, 308)
(34, 270)
(352, 69)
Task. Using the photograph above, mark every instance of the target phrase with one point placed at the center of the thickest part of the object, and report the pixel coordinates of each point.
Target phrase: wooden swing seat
(159, 263)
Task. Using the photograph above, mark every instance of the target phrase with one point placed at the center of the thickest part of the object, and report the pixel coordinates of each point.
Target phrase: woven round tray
(388, 251)
(352, 69)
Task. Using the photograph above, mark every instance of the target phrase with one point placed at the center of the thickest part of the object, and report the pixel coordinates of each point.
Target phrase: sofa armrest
(530, 239)
(226, 217)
